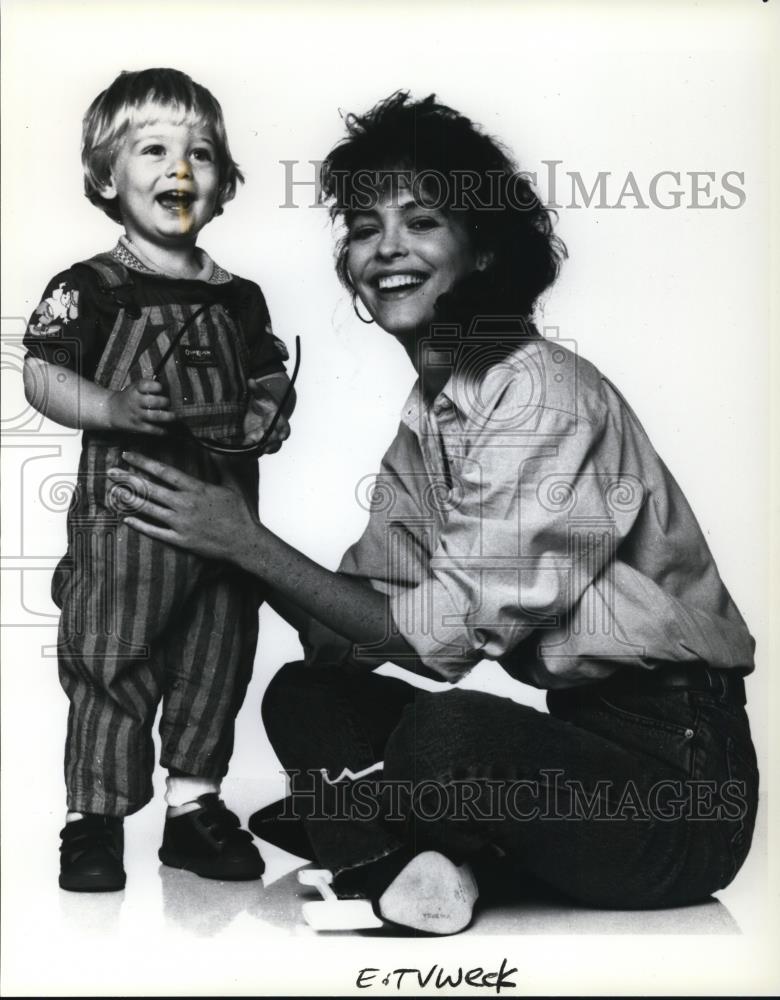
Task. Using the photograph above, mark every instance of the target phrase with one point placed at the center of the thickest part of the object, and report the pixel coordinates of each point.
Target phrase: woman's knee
(296, 696)
(281, 696)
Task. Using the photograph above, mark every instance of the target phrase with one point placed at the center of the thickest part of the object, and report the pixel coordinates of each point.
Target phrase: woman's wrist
(245, 547)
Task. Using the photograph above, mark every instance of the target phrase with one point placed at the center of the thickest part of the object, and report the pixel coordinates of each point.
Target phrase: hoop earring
(355, 307)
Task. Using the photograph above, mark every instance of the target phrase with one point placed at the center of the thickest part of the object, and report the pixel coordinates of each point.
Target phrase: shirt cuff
(429, 621)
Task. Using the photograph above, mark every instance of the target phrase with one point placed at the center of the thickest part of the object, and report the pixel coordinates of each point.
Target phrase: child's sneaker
(209, 841)
(91, 854)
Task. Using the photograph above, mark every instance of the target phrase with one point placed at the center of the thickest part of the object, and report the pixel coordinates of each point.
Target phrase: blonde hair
(128, 101)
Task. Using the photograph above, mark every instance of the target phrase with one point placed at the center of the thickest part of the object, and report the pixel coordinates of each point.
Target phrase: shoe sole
(246, 873)
(431, 895)
(86, 883)
(341, 915)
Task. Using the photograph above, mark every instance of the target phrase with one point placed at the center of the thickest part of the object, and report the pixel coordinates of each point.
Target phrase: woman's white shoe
(331, 913)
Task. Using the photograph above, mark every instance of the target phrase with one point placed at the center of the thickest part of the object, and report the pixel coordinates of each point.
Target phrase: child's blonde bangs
(153, 110)
(109, 133)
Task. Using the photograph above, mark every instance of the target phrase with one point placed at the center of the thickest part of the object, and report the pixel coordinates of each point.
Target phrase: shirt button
(689, 734)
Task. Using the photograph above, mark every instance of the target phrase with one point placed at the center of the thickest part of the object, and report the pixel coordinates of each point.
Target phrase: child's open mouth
(175, 201)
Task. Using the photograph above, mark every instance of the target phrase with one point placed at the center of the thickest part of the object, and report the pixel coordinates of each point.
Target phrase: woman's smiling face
(402, 256)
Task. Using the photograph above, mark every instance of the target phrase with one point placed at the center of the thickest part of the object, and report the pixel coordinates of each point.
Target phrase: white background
(672, 305)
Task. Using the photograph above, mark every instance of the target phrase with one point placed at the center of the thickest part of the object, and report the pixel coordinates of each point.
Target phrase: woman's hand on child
(141, 407)
(261, 411)
(210, 520)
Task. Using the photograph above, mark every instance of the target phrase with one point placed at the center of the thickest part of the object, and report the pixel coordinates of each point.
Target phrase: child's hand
(261, 411)
(141, 408)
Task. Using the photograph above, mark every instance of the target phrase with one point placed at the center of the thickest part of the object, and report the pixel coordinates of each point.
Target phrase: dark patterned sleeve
(267, 353)
(63, 328)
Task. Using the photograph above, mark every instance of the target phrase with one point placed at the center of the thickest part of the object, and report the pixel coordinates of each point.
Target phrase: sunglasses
(225, 447)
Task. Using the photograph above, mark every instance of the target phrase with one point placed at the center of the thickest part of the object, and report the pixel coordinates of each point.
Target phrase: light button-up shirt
(524, 516)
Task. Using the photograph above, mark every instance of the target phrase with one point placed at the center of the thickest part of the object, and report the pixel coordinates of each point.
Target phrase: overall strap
(111, 271)
(115, 280)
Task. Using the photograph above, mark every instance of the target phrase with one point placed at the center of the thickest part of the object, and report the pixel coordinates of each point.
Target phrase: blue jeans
(617, 798)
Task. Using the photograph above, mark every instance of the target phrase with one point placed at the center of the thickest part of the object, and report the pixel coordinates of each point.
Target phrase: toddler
(154, 346)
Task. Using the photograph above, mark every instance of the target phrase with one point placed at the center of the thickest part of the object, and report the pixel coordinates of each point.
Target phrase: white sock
(181, 793)
(72, 817)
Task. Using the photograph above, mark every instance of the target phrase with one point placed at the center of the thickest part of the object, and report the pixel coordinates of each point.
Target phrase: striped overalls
(143, 621)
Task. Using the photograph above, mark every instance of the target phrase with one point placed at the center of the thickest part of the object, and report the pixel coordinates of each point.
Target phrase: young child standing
(153, 345)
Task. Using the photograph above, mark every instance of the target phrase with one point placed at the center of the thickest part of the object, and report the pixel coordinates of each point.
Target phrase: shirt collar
(465, 389)
(131, 256)
(452, 398)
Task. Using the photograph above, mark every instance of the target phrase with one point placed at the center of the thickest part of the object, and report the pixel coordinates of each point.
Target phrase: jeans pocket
(669, 712)
(662, 726)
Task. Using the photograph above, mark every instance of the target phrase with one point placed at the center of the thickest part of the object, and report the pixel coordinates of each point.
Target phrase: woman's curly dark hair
(448, 152)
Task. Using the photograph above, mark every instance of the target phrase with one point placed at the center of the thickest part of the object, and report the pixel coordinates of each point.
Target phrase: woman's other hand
(259, 417)
(167, 504)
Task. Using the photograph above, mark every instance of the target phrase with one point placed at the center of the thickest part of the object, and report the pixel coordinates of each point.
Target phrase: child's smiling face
(166, 179)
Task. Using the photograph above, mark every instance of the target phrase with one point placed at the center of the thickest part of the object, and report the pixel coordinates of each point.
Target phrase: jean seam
(367, 861)
(737, 851)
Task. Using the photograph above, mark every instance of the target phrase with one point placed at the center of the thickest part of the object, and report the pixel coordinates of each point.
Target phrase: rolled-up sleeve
(532, 521)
